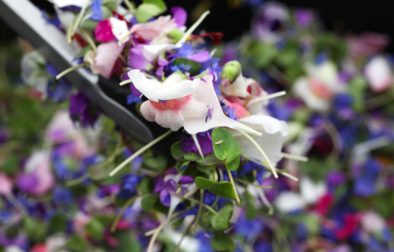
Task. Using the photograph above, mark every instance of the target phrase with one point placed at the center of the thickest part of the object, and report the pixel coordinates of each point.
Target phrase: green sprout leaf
(223, 188)
(221, 220)
(222, 242)
(226, 148)
(149, 9)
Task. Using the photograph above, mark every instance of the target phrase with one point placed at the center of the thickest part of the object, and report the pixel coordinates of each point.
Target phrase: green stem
(69, 70)
(139, 152)
(230, 176)
(116, 221)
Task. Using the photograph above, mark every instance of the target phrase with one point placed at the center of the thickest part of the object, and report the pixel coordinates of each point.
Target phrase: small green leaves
(222, 242)
(223, 188)
(357, 88)
(149, 9)
(221, 220)
(95, 229)
(226, 148)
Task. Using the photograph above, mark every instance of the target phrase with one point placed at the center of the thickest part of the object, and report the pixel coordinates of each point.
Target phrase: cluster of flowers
(226, 186)
(339, 111)
(228, 147)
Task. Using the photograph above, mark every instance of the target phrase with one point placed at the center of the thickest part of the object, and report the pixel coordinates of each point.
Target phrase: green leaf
(223, 188)
(156, 163)
(95, 228)
(58, 224)
(222, 242)
(357, 88)
(221, 220)
(151, 202)
(225, 146)
(34, 233)
(176, 151)
(148, 202)
(127, 242)
(194, 67)
(76, 243)
(149, 9)
(233, 164)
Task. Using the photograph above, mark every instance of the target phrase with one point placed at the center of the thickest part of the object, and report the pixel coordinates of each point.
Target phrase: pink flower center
(175, 104)
(320, 89)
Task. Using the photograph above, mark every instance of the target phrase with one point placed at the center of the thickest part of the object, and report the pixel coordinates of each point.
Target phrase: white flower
(119, 28)
(67, 3)
(173, 87)
(177, 103)
(320, 85)
(372, 222)
(378, 74)
(33, 74)
(271, 141)
(310, 193)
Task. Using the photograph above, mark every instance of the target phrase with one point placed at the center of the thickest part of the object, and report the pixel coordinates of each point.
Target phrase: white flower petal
(289, 201)
(176, 86)
(66, 3)
(378, 74)
(119, 28)
(271, 141)
(311, 191)
(303, 91)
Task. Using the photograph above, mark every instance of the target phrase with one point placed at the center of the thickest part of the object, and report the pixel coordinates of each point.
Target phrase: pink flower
(110, 29)
(37, 178)
(5, 185)
(104, 59)
(154, 30)
(319, 86)
(79, 222)
(103, 31)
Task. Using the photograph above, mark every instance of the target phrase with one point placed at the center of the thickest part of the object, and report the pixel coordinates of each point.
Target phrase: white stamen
(139, 152)
(195, 139)
(191, 29)
(268, 97)
(294, 157)
(125, 82)
(262, 152)
(69, 70)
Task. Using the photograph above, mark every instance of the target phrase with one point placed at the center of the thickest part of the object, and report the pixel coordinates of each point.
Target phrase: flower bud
(231, 71)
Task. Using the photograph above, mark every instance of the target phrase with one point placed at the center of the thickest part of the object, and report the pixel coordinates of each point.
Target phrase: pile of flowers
(339, 113)
(241, 120)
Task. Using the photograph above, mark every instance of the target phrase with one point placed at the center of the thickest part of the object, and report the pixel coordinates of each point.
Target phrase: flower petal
(176, 86)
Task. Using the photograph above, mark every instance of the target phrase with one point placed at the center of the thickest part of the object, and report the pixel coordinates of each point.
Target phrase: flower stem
(116, 221)
(139, 152)
(262, 152)
(230, 176)
(294, 157)
(69, 70)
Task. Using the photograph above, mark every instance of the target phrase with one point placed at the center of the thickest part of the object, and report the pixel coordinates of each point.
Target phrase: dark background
(347, 16)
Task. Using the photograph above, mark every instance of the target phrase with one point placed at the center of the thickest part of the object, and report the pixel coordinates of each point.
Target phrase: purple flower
(4, 135)
(82, 110)
(304, 17)
(165, 188)
(204, 140)
(136, 58)
(179, 15)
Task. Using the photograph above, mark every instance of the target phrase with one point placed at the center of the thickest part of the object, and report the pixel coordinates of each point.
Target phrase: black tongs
(27, 20)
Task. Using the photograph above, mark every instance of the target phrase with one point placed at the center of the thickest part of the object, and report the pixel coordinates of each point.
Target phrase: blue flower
(128, 187)
(97, 14)
(249, 229)
(365, 184)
